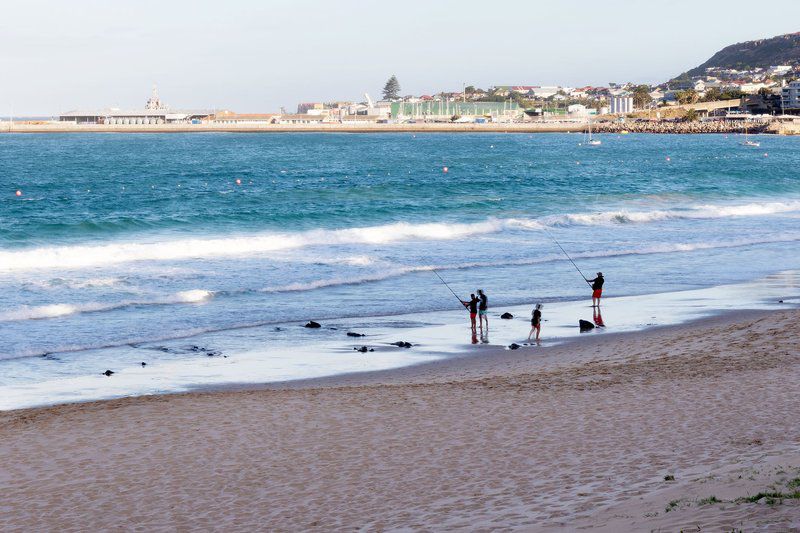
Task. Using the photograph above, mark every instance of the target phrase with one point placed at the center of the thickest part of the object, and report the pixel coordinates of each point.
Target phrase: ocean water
(126, 240)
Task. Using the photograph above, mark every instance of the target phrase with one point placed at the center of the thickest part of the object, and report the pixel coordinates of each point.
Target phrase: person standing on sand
(597, 288)
(536, 322)
(472, 305)
(483, 309)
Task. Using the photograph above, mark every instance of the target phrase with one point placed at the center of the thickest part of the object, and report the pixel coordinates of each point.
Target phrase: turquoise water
(121, 239)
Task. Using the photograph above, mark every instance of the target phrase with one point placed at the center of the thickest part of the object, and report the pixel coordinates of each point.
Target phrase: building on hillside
(790, 98)
(779, 70)
(620, 104)
(154, 112)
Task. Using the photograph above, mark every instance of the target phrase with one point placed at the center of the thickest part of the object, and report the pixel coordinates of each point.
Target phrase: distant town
(714, 100)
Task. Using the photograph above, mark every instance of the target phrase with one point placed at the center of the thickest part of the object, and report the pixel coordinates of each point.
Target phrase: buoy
(18, 193)
(445, 170)
(668, 159)
(766, 154)
(238, 181)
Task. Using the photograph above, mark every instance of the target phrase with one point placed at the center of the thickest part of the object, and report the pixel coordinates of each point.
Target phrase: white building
(620, 104)
(779, 70)
(790, 96)
(577, 109)
(154, 112)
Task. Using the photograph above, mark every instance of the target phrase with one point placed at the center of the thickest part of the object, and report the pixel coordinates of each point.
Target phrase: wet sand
(573, 436)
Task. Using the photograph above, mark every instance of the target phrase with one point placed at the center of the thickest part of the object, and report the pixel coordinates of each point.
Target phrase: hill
(780, 50)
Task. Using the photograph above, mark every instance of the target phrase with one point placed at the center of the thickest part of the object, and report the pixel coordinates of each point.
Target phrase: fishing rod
(565, 253)
(446, 285)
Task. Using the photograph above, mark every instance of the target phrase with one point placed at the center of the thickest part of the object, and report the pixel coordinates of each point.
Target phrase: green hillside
(780, 50)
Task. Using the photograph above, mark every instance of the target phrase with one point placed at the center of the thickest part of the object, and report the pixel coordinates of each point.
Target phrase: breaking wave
(89, 256)
(39, 312)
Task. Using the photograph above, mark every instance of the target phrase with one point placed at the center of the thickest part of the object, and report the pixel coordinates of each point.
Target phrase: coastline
(688, 128)
(242, 360)
(494, 441)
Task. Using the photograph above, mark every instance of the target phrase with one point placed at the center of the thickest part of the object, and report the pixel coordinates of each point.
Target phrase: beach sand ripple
(500, 443)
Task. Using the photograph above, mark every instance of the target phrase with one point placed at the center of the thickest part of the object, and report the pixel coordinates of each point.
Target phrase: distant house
(577, 109)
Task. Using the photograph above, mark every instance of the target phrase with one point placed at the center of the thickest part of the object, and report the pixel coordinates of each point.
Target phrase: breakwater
(719, 126)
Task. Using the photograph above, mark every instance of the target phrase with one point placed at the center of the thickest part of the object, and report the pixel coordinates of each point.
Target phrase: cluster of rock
(663, 126)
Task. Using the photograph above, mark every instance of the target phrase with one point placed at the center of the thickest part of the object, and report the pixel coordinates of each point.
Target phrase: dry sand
(497, 443)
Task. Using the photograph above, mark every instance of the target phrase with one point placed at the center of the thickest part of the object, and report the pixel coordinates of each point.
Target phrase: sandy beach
(496, 442)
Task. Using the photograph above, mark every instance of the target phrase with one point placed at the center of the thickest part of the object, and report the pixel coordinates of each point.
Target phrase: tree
(712, 95)
(641, 96)
(691, 116)
(731, 94)
(391, 91)
(689, 96)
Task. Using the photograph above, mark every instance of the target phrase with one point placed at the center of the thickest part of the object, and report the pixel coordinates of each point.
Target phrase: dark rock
(351, 334)
(278, 329)
(402, 344)
(585, 325)
(313, 325)
(144, 364)
(780, 301)
(513, 346)
(213, 353)
(363, 349)
(108, 372)
(506, 316)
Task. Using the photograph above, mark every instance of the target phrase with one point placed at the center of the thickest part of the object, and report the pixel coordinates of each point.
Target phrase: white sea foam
(77, 257)
(38, 312)
(74, 257)
(703, 211)
(404, 270)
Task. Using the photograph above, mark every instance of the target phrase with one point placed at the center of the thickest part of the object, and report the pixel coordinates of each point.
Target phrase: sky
(256, 56)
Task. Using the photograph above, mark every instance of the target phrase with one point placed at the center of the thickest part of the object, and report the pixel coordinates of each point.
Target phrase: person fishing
(483, 309)
(597, 288)
(472, 305)
(536, 322)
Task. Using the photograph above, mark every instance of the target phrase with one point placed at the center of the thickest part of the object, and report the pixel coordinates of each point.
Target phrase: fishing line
(565, 253)
(446, 285)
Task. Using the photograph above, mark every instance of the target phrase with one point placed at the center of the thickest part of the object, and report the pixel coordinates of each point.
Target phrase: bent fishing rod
(565, 253)
(448, 286)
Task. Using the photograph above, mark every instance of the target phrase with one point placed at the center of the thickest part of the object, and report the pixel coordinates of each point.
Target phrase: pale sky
(255, 56)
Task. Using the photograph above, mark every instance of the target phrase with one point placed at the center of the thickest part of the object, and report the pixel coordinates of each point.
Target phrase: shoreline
(666, 128)
(492, 442)
(463, 363)
(303, 358)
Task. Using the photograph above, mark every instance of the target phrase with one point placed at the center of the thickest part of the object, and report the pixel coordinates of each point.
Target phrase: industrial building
(444, 110)
(154, 112)
(620, 104)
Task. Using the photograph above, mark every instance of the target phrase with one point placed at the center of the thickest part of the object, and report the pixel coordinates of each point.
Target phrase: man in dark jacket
(597, 288)
(472, 305)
